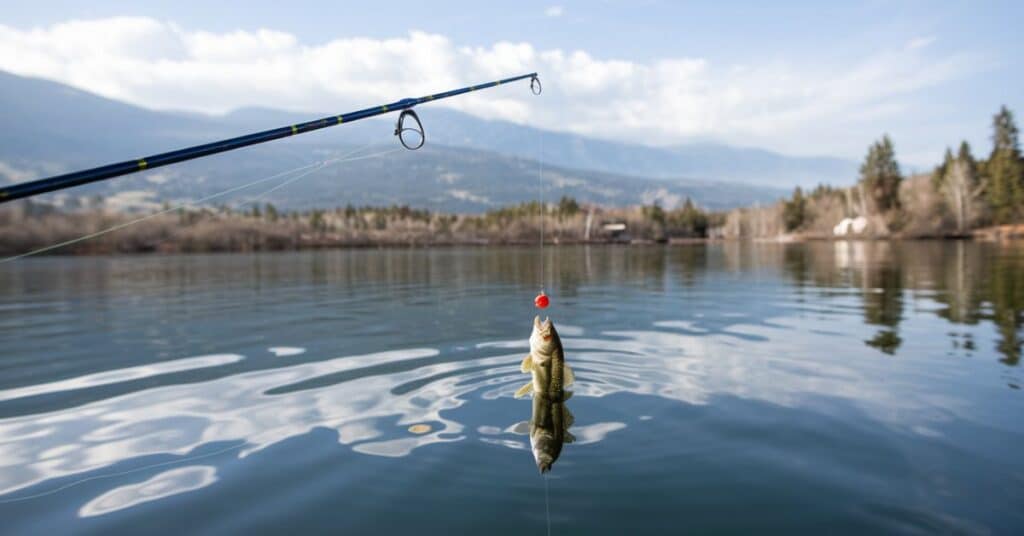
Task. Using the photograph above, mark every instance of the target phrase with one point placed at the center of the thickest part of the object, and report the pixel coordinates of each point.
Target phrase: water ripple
(372, 400)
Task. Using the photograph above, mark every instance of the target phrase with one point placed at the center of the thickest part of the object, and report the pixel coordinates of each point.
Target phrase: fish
(550, 375)
(549, 429)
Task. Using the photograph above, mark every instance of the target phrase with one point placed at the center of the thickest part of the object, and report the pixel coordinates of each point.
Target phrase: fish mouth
(544, 328)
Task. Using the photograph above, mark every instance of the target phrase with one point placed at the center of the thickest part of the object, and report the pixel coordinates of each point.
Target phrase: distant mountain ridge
(699, 160)
(469, 164)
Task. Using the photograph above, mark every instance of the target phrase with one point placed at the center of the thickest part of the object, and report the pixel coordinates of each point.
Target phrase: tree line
(963, 192)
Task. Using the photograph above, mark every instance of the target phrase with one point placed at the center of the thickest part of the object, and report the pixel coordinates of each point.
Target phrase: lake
(844, 387)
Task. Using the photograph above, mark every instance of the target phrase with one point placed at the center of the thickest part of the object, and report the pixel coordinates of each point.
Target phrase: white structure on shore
(850, 226)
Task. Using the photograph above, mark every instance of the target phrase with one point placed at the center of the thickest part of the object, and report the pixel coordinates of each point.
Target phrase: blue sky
(798, 77)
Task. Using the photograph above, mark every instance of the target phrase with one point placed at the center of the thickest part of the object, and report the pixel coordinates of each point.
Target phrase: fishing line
(540, 197)
(547, 502)
(188, 204)
(541, 301)
(324, 164)
(305, 170)
(122, 473)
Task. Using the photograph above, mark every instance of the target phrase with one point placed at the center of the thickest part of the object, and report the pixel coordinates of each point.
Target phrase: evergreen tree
(880, 175)
(964, 155)
(939, 176)
(688, 221)
(1004, 170)
(1004, 135)
(655, 213)
(316, 220)
(567, 206)
(794, 211)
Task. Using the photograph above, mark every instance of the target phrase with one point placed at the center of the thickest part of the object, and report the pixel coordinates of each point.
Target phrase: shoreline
(985, 236)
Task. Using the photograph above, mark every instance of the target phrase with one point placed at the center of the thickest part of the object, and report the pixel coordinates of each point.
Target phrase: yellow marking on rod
(341, 118)
(3, 195)
(384, 108)
(430, 97)
(295, 130)
(142, 163)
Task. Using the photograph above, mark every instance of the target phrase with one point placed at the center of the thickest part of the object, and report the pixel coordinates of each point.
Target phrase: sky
(802, 78)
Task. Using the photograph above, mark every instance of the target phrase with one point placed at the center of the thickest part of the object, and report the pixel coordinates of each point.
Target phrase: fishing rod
(77, 178)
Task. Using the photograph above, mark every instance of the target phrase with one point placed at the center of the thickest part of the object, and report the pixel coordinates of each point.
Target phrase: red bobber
(541, 301)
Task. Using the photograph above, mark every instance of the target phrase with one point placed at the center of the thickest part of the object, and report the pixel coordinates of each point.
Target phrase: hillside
(468, 165)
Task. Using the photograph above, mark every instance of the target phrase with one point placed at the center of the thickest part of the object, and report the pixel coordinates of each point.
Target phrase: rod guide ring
(401, 129)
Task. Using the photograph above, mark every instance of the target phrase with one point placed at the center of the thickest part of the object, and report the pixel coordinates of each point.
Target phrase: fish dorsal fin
(521, 428)
(524, 390)
(527, 364)
(566, 396)
(570, 378)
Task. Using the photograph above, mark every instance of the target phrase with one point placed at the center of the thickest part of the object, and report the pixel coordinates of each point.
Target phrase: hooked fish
(545, 362)
(550, 419)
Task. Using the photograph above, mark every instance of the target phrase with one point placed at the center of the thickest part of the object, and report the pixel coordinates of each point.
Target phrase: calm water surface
(741, 388)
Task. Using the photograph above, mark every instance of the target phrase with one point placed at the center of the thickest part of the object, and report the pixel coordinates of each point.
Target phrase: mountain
(469, 164)
(703, 160)
(437, 177)
(707, 161)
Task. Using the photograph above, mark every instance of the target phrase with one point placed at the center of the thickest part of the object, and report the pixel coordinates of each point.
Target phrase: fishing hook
(535, 86)
(401, 129)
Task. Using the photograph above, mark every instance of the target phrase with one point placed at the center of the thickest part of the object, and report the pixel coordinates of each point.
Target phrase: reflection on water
(162, 485)
(877, 381)
(971, 282)
(550, 420)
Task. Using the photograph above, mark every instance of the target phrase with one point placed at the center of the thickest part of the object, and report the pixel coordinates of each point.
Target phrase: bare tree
(962, 187)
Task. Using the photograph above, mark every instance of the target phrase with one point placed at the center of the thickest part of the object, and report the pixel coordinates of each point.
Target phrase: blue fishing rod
(77, 178)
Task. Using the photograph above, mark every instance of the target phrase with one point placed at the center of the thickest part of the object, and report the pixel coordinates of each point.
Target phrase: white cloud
(554, 11)
(790, 106)
(920, 42)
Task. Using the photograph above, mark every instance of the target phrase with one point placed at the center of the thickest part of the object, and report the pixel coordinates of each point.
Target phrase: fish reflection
(549, 428)
(550, 419)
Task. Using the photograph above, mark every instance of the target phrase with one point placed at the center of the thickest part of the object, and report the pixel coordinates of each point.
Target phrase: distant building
(850, 226)
(615, 231)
